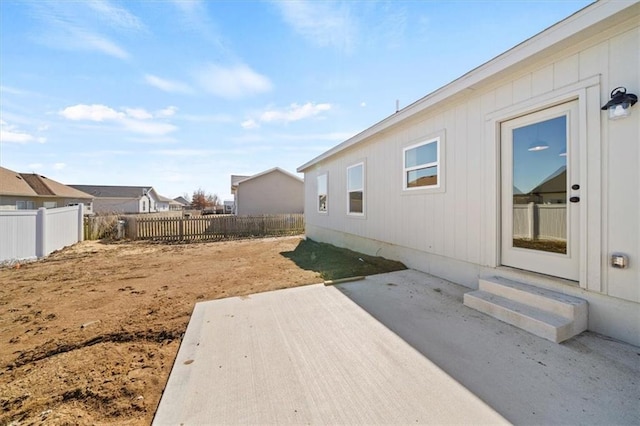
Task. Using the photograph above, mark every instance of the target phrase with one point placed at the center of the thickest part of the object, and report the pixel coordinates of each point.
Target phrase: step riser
(539, 328)
(539, 301)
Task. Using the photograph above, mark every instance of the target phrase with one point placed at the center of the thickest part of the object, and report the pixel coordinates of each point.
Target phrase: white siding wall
(460, 225)
(272, 193)
(117, 205)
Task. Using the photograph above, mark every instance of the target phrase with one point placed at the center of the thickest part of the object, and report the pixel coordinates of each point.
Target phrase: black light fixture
(620, 104)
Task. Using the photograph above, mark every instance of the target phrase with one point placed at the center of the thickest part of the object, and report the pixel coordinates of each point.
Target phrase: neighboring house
(234, 188)
(228, 206)
(433, 185)
(29, 191)
(125, 199)
(182, 202)
(274, 191)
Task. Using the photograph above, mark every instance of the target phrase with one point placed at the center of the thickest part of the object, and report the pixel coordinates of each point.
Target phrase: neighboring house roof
(34, 185)
(11, 183)
(182, 201)
(266, 172)
(107, 191)
(584, 23)
(235, 179)
(165, 199)
(556, 182)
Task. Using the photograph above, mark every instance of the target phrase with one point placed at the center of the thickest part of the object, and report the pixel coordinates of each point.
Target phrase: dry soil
(89, 334)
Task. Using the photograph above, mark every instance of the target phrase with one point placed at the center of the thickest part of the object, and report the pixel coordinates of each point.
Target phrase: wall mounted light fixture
(620, 104)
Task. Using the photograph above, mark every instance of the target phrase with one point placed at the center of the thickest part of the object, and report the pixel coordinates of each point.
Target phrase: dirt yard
(89, 334)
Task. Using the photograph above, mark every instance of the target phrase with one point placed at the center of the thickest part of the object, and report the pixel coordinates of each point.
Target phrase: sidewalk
(394, 348)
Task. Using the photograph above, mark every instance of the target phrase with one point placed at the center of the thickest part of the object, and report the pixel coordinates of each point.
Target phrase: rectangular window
(25, 205)
(422, 165)
(355, 189)
(322, 193)
(50, 204)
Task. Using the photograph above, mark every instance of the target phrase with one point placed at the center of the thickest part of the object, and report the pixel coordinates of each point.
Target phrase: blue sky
(179, 95)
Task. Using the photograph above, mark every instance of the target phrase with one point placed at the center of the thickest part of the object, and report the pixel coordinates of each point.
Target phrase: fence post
(181, 229)
(41, 233)
(530, 220)
(80, 222)
(132, 228)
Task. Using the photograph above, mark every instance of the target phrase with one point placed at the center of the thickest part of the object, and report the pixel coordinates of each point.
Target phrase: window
(25, 205)
(50, 204)
(355, 189)
(422, 165)
(144, 206)
(322, 193)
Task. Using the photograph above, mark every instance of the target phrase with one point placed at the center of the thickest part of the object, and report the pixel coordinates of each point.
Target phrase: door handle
(574, 199)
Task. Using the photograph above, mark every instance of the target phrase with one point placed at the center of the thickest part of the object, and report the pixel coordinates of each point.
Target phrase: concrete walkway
(396, 348)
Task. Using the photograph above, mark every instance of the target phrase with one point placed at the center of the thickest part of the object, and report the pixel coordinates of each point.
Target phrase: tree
(200, 200)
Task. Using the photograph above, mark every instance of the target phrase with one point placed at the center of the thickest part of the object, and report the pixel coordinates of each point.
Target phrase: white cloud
(11, 134)
(138, 113)
(137, 120)
(234, 82)
(249, 124)
(115, 15)
(363, 104)
(59, 166)
(167, 112)
(93, 112)
(77, 26)
(169, 86)
(293, 112)
(322, 23)
(85, 40)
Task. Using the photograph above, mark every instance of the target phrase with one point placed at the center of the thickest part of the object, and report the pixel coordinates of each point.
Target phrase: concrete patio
(394, 348)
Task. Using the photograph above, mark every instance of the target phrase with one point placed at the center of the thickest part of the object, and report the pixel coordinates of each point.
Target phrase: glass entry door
(541, 192)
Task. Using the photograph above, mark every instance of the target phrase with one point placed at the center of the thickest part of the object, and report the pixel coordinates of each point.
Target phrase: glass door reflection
(540, 220)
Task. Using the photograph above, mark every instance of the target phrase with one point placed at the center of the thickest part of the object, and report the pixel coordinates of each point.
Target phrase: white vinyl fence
(540, 221)
(33, 234)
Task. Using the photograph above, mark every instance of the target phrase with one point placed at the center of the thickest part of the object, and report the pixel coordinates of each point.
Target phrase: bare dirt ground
(89, 335)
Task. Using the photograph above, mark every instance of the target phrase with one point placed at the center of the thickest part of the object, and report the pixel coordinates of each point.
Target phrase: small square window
(421, 164)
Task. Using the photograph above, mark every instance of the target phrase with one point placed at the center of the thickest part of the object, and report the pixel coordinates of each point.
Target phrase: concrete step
(536, 321)
(546, 300)
(545, 313)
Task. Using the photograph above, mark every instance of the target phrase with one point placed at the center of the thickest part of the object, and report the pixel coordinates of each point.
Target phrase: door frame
(593, 157)
(558, 265)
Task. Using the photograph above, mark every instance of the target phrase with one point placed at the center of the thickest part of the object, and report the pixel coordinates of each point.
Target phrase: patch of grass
(333, 263)
(553, 246)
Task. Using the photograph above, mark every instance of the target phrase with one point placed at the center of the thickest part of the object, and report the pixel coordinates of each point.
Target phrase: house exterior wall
(10, 202)
(117, 205)
(454, 231)
(272, 193)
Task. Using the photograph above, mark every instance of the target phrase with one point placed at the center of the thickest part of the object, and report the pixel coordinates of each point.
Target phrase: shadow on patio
(589, 379)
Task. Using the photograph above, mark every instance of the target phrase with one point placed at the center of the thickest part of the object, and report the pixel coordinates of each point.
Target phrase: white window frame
(26, 205)
(359, 189)
(50, 204)
(326, 193)
(438, 163)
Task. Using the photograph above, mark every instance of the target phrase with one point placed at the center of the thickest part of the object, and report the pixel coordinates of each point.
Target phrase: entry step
(545, 313)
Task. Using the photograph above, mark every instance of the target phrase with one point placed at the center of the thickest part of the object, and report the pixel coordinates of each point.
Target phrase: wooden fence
(213, 228)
